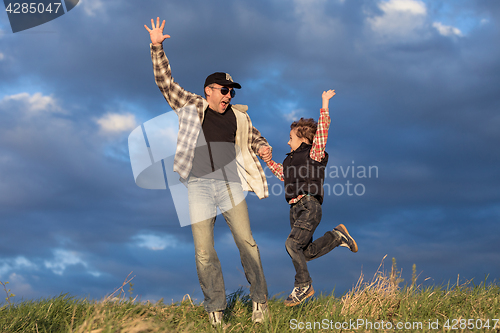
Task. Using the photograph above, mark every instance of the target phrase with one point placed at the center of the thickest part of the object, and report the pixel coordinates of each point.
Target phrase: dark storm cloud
(420, 106)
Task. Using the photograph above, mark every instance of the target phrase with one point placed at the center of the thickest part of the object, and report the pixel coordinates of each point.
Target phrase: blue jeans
(305, 216)
(205, 195)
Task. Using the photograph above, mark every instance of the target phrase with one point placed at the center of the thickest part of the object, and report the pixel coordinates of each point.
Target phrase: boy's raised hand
(328, 94)
(156, 33)
(326, 97)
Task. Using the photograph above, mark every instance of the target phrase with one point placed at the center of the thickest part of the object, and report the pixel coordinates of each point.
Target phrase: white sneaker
(347, 240)
(260, 312)
(215, 318)
(299, 295)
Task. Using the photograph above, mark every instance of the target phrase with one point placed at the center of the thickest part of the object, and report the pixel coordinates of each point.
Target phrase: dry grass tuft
(377, 298)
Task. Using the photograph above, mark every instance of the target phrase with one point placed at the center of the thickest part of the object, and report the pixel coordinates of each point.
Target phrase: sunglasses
(225, 90)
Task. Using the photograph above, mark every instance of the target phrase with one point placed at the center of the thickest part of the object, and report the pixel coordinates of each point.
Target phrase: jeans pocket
(303, 225)
(302, 232)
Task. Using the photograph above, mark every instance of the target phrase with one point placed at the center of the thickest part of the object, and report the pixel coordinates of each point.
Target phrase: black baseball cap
(223, 79)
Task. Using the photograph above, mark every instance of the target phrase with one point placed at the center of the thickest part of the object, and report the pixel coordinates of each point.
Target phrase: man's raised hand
(156, 33)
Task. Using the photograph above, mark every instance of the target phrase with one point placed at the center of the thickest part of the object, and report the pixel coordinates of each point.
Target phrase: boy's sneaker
(347, 240)
(299, 295)
(215, 318)
(260, 312)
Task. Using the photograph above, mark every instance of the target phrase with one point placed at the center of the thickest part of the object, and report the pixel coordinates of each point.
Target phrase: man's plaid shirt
(317, 150)
(190, 109)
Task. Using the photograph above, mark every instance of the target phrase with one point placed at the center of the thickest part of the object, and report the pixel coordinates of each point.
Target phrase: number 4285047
(32, 8)
(455, 324)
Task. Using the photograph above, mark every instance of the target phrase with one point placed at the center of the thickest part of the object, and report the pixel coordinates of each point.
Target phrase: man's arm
(260, 146)
(175, 95)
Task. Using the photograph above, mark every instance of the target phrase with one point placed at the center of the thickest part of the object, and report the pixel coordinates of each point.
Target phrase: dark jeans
(305, 216)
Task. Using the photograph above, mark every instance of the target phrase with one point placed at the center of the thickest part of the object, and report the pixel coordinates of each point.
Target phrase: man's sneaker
(215, 318)
(299, 295)
(347, 240)
(260, 312)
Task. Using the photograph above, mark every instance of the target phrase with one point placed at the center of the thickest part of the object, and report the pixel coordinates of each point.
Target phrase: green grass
(377, 302)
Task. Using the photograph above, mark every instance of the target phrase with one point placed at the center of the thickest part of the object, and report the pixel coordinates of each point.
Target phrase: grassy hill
(378, 305)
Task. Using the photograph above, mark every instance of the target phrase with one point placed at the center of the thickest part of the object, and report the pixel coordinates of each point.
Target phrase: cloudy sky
(417, 102)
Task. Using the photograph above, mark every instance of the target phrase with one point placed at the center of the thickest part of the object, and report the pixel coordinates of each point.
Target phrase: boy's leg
(322, 245)
(234, 208)
(202, 205)
(305, 216)
(339, 236)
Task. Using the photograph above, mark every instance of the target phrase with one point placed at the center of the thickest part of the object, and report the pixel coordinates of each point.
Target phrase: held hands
(156, 33)
(326, 97)
(265, 153)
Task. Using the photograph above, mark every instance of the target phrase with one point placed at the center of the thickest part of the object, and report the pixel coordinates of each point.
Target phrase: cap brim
(231, 84)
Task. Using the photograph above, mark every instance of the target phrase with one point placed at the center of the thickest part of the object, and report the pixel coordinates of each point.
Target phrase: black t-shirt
(215, 153)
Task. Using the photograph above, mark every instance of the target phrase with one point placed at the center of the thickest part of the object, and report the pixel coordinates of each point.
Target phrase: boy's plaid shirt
(317, 150)
(190, 110)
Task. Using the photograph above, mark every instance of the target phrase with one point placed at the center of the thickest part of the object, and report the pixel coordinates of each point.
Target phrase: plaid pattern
(319, 141)
(190, 109)
(277, 169)
(190, 117)
(317, 150)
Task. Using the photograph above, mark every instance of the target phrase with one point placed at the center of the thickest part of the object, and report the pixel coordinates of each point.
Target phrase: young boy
(303, 172)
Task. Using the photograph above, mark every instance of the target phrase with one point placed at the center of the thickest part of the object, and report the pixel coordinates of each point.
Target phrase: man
(216, 156)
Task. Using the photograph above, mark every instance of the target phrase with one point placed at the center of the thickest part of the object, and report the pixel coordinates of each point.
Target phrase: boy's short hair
(306, 128)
